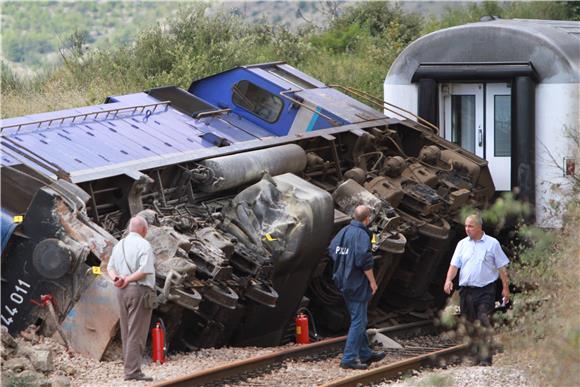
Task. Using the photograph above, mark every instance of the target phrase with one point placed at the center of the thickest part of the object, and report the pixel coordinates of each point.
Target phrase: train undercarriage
(239, 232)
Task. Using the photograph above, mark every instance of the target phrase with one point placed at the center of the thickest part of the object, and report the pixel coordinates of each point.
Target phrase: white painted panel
(302, 119)
(557, 116)
(404, 96)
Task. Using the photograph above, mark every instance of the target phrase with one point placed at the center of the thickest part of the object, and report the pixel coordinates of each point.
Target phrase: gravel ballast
(81, 371)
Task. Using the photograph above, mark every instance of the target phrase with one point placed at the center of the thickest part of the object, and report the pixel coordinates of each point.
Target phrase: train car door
(463, 115)
(477, 117)
(498, 133)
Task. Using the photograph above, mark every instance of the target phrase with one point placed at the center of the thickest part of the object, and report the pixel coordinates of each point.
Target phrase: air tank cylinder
(350, 194)
(248, 167)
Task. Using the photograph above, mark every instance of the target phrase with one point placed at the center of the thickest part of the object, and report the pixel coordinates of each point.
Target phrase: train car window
(463, 121)
(502, 125)
(257, 101)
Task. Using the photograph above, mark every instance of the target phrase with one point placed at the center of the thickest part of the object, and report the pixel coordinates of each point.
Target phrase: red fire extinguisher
(158, 343)
(302, 329)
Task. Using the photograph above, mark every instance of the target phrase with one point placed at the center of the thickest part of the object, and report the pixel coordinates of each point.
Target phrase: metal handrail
(86, 115)
(212, 112)
(382, 103)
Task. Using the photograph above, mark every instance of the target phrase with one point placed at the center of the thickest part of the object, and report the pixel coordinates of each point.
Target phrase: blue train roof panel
(282, 99)
(129, 129)
(340, 104)
(277, 73)
(242, 108)
(316, 92)
(293, 76)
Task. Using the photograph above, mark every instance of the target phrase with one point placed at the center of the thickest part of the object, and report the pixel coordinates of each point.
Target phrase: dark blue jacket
(350, 251)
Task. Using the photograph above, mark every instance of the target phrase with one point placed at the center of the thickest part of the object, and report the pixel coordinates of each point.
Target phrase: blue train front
(244, 179)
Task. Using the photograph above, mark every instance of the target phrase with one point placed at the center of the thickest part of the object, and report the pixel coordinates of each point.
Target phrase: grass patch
(543, 328)
(356, 49)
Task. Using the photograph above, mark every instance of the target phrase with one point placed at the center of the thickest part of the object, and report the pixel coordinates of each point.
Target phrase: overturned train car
(243, 178)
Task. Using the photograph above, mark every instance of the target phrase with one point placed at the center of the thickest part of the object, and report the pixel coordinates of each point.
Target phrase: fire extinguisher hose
(314, 332)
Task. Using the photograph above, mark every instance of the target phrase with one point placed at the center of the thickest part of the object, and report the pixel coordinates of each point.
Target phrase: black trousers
(476, 305)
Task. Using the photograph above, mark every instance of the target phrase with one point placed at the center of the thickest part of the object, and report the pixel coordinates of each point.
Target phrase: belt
(138, 284)
(477, 287)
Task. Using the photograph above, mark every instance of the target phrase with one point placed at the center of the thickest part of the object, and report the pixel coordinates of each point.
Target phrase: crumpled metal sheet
(292, 220)
(90, 325)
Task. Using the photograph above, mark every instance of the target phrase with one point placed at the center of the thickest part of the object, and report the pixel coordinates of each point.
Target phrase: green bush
(355, 50)
(536, 248)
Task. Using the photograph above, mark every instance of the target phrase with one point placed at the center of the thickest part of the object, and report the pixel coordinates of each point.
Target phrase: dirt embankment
(540, 335)
(544, 334)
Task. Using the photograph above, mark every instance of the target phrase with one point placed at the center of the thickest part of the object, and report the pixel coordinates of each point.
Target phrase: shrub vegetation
(356, 49)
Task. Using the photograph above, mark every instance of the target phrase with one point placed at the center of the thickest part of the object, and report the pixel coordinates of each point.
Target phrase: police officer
(350, 251)
(482, 261)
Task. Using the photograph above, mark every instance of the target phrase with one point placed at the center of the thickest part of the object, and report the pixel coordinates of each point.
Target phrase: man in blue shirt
(350, 251)
(482, 261)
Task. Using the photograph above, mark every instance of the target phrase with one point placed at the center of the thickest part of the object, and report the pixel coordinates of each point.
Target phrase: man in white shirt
(482, 261)
(132, 269)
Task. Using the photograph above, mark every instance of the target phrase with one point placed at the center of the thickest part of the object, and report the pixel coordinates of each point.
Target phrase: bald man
(482, 261)
(132, 269)
(350, 251)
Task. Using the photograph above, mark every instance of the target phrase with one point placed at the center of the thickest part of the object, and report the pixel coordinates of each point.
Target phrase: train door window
(463, 121)
(498, 133)
(257, 101)
(502, 125)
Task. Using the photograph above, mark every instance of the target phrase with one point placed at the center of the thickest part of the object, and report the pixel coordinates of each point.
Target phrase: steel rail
(393, 370)
(241, 368)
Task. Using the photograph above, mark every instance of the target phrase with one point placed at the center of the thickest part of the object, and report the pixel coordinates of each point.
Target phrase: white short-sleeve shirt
(479, 260)
(134, 253)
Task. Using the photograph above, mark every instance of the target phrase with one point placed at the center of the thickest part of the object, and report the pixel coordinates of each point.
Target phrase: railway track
(251, 371)
(393, 370)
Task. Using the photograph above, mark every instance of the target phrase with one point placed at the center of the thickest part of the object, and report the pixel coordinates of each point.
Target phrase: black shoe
(484, 363)
(141, 377)
(375, 356)
(354, 366)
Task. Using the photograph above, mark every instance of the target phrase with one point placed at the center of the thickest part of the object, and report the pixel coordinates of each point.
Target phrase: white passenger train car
(506, 90)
